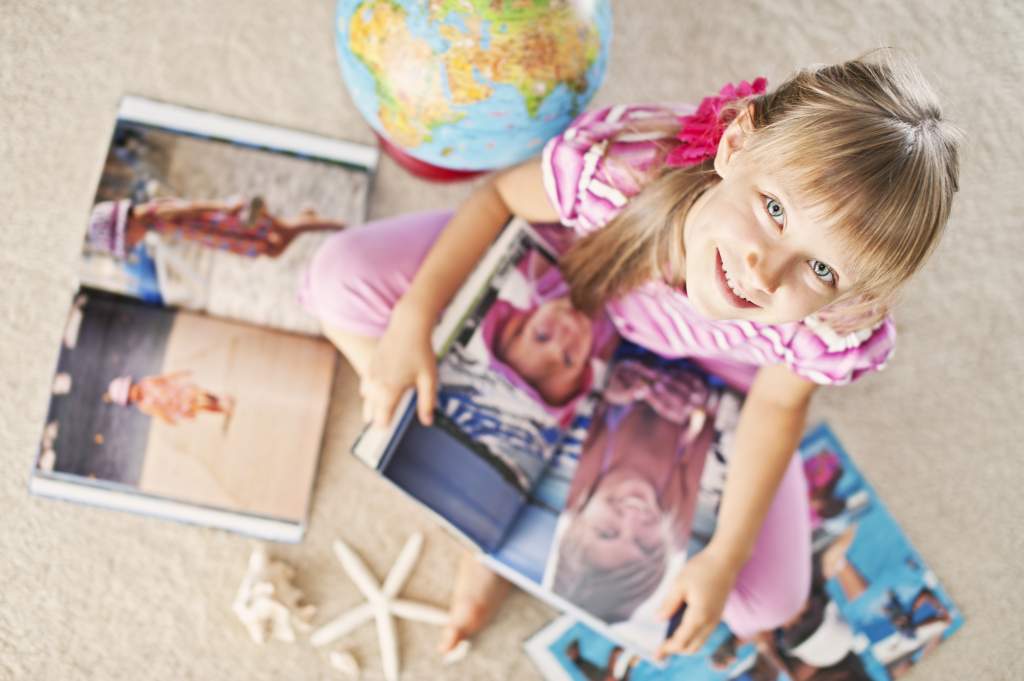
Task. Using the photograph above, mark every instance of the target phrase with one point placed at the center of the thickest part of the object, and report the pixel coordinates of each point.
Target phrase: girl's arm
(768, 433)
(769, 430)
(402, 357)
(473, 227)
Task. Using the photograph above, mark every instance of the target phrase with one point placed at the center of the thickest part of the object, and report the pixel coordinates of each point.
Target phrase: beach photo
(186, 407)
(216, 214)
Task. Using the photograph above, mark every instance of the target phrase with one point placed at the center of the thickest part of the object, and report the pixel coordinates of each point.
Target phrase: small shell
(456, 654)
(47, 460)
(50, 434)
(345, 663)
(73, 325)
(62, 383)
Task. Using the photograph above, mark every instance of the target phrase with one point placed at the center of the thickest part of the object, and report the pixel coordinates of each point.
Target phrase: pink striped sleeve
(821, 355)
(585, 189)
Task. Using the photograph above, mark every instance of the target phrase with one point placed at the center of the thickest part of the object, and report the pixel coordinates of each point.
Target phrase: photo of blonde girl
(631, 502)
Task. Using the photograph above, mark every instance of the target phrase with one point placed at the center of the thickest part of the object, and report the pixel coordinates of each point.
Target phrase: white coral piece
(456, 654)
(345, 663)
(268, 603)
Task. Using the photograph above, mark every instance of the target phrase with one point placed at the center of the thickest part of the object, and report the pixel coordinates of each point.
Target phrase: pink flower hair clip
(701, 131)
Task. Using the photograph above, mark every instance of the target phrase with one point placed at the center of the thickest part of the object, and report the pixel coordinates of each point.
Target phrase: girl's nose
(764, 276)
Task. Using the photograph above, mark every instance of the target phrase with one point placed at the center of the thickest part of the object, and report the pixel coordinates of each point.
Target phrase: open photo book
(190, 382)
(874, 610)
(573, 460)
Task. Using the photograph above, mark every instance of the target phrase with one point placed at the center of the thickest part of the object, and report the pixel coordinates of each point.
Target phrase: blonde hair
(612, 594)
(863, 143)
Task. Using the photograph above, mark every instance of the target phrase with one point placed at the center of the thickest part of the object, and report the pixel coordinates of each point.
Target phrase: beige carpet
(90, 594)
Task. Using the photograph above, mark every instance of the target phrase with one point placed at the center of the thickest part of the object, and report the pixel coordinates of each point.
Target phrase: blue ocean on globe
(472, 84)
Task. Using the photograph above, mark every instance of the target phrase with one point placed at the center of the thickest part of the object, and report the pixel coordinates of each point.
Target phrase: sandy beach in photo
(280, 384)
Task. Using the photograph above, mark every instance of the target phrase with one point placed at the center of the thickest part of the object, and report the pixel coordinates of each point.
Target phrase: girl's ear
(733, 138)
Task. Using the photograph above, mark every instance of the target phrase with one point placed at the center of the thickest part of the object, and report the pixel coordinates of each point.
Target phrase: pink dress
(173, 397)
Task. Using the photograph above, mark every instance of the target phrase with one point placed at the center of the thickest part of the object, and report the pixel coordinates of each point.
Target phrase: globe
(471, 85)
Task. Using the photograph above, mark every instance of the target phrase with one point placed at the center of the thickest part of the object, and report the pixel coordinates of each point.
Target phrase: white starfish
(381, 604)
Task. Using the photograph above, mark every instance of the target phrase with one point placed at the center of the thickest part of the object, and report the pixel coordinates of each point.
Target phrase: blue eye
(822, 271)
(541, 337)
(567, 360)
(775, 210)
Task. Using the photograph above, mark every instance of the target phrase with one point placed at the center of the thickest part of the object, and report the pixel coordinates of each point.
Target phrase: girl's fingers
(697, 640)
(371, 392)
(689, 637)
(682, 636)
(704, 636)
(426, 393)
(673, 600)
(367, 406)
(384, 406)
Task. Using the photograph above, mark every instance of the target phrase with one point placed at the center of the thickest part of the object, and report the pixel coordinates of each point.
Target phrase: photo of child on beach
(183, 406)
(217, 214)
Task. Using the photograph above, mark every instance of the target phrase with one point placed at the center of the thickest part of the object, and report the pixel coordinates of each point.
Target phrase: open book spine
(68, 488)
(237, 130)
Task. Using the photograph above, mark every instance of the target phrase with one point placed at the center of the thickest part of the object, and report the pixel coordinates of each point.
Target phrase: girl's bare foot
(478, 593)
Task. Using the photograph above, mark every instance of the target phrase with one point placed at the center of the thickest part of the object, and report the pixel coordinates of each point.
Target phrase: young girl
(172, 397)
(242, 228)
(763, 235)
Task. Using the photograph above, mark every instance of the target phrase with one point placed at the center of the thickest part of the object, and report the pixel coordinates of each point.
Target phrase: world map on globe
(472, 84)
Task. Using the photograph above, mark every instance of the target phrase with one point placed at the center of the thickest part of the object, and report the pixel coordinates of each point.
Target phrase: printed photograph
(184, 406)
(525, 359)
(626, 524)
(215, 224)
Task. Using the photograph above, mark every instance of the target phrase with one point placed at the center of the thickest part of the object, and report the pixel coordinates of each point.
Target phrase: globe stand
(422, 169)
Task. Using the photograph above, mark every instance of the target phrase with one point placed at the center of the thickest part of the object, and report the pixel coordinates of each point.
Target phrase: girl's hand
(703, 586)
(402, 359)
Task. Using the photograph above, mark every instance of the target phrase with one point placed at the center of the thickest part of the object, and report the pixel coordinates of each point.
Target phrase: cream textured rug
(92, 594)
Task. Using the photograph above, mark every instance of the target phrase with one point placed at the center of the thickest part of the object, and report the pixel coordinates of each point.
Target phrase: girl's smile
(728, 287)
